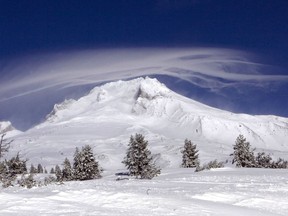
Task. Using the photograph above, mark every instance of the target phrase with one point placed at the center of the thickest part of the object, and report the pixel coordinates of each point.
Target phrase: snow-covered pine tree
(67, 170)
(52, 171)
(139, 160)
(280, 164)
(58, 173)
(243, 155)
(40, 168)
(85, 166)
(33, 169)
(6, 178)
(190, 155)
(76, 164)
(263, 160)
(16, 165)
(3, 168)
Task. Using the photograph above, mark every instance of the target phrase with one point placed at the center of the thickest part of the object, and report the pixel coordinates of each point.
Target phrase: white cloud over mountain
(43, 72)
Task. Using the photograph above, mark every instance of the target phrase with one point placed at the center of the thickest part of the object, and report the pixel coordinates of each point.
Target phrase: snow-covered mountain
(110, 114)
(7, 128)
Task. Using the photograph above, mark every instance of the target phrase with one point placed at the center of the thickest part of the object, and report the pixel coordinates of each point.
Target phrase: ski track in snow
(180, 191)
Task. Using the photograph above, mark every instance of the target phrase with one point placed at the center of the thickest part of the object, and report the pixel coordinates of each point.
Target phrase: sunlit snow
(175, 192)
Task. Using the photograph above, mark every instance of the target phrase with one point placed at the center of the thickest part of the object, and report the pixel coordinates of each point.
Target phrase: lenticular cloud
(215, 68)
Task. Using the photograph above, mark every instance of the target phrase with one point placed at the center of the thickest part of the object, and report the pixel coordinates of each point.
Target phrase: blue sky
(33, 25)
(34, 34)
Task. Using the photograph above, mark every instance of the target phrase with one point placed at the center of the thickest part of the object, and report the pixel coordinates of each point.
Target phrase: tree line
(138, 160)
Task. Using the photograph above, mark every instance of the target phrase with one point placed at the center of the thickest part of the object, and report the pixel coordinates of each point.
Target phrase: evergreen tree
(76, 162)
(85, 166)
(33, 170)
(280, 164)
(52, 171)
(6, 178)
(67, 170)
(16, 165)
(3, 168)
(263, 161)
(40, 168)
(243, 156)
(190, 155)
(139, 160)
(58, 173)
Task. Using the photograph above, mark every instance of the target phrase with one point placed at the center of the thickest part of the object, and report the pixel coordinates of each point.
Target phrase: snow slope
(110, 114)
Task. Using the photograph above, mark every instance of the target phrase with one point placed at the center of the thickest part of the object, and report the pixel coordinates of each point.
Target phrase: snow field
(224, 191)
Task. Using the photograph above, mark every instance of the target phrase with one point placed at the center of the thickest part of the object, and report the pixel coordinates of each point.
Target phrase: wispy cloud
(29, 87)
(214, 67)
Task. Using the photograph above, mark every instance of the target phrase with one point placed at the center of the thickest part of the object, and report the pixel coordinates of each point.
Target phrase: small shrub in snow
(28, 181)
(190, 155)
(215, 164)
(279, 164)
(200, 168)
(49, 180)
(211, 165)
(263, 160)
(8, 180)
(139, 160)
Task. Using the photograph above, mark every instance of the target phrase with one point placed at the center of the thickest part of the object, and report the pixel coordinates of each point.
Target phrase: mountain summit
(107, 116)
(142, 96)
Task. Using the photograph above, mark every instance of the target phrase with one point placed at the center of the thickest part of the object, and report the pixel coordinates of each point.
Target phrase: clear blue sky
(35, 25)
(258, 26)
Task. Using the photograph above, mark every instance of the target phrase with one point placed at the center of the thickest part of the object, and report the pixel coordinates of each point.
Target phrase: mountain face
(110, 114)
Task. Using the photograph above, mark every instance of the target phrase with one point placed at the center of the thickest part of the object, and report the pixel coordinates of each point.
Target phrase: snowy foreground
(226, 191)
